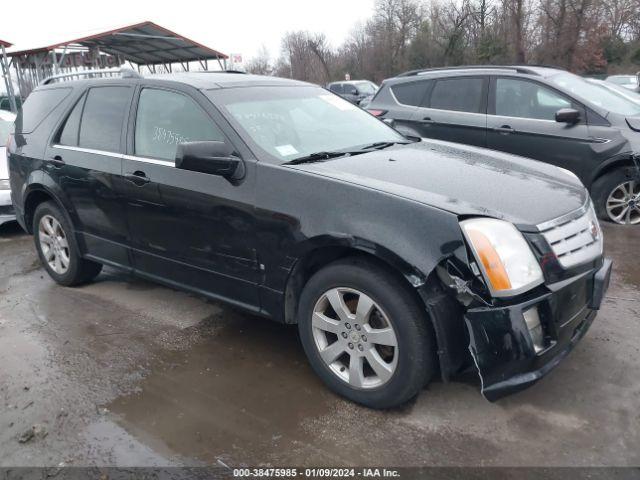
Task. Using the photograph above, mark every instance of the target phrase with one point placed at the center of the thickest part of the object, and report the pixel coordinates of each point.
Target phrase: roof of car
(532, 70)
(203, 80)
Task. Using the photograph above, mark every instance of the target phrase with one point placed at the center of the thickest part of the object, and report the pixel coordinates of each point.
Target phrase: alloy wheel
(355, 338)
(54, 244)
(623, 203)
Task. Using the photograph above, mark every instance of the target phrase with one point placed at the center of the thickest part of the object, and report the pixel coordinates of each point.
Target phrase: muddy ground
(125, 372)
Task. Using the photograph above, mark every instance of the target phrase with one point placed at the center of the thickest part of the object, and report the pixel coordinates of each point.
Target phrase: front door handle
(504, 129)
(427, 121)
(138, 177)
(57, 161)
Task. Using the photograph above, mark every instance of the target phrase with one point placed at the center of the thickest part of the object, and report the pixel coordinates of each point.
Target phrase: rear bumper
(501, 345)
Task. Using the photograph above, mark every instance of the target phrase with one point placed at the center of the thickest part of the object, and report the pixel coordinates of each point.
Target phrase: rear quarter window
(410, 93)
(38, 106)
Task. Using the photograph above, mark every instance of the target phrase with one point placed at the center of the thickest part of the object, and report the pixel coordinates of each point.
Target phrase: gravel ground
(128, 373)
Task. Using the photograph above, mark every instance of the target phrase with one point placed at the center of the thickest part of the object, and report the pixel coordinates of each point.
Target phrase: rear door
(454, 109)
(190, 228)
(521, 120)
(86, 156)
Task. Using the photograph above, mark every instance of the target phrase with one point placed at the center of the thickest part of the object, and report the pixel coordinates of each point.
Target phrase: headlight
(4, 185)
(504, 256)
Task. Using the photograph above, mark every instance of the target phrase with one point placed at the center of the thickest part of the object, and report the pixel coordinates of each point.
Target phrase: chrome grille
(575, 238)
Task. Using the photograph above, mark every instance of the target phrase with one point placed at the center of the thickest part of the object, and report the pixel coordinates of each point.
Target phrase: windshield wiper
(381, 145)
(316, 157)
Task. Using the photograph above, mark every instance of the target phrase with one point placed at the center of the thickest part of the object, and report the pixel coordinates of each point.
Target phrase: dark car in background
(355, 91)
(397, 259)
(543, 113)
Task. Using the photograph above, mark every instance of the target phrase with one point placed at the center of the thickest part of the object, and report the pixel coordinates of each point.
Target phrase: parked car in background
(630, 82)
(355, 91)
(622, 91)
(543, 113)
(5, 102)
(396, 258)
(6, 128)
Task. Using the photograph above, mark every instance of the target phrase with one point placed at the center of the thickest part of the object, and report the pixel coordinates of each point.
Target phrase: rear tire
(367, 368)
(616, 196)
(57, 247)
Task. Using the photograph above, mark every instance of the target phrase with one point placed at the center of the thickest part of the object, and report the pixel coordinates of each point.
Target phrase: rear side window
(458, 94)
(38, 106)
(69, 134)
(410, 93)
(103, 117)
(336, 88)
(166, 119)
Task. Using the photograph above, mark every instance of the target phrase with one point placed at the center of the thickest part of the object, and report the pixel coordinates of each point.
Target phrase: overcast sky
(230, 26)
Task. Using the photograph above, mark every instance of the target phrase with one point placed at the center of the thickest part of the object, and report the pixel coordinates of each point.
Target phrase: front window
(524, 99)
(293, 122)
(167, 118)
(596, 95)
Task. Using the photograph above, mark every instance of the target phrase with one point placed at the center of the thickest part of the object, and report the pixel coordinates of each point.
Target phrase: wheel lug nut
(348, 325)
(344, 334)
(351, 345)
(360, 347)
(364, 338)
(357, 327)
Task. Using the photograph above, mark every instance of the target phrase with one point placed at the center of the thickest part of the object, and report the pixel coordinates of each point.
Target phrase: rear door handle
(506, 129)
(138, 177)
(57, 161)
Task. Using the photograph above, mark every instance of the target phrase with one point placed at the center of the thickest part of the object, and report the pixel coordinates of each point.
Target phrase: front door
(454, 109)
(193, 229)
(521, 120)
(86, 155)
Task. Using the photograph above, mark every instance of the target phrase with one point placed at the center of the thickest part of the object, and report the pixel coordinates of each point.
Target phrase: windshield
(596, 95)
(293, 122)
(366, 88)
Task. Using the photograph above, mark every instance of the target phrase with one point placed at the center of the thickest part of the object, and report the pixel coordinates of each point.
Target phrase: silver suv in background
(357, 92)
(7, 213)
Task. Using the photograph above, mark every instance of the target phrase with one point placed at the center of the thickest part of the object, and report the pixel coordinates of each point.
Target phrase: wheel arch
(34, 196)
(444, 312)
(624, 161)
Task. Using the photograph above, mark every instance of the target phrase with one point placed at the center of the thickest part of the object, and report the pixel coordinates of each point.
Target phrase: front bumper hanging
(502, 347)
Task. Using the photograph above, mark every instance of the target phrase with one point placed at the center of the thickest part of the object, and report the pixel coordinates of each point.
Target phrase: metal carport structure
(144, 44)
(6, 74)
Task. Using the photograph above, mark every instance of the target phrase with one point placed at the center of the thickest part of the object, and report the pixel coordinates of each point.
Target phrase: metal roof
(144, 43)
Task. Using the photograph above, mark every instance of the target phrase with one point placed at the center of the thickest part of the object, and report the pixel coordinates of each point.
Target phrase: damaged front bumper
(509, 355)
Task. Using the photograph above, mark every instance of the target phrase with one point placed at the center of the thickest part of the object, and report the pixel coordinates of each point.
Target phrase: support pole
(6, 74)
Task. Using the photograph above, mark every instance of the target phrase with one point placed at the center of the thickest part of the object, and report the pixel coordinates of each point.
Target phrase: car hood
(463, 180)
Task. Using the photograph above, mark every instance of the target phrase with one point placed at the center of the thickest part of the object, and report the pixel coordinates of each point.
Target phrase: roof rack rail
(219, 71)
(517, 68)
(123, 72)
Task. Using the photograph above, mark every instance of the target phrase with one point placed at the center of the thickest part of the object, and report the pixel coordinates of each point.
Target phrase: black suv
(395, 258)
(543, 113)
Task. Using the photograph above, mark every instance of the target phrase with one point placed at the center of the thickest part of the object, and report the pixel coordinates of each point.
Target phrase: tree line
(584, 36)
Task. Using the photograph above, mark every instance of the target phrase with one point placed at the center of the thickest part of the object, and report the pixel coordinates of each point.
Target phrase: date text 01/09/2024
(315, 472)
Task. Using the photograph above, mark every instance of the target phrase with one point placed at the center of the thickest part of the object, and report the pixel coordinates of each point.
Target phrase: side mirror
(567, 115)
(214, 158)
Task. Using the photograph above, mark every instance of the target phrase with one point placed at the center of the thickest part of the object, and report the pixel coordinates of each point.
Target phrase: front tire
(617, 198)
(366, 334)
(57, 247)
